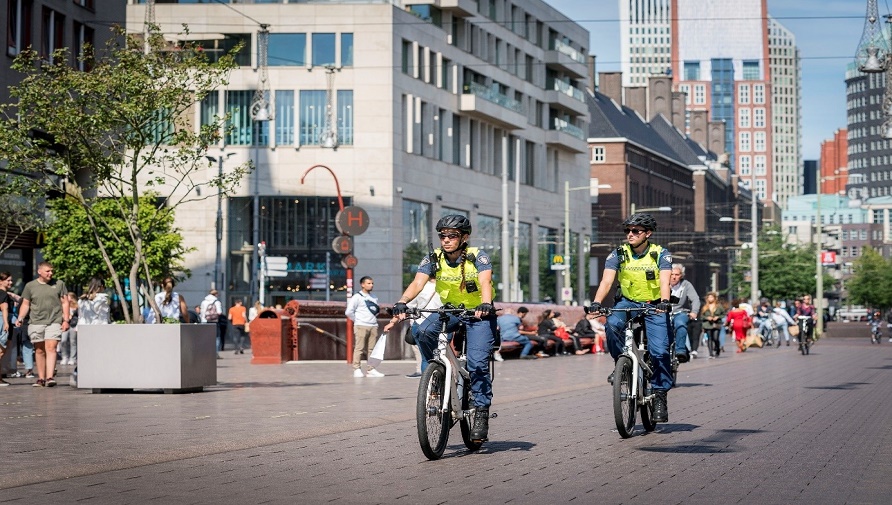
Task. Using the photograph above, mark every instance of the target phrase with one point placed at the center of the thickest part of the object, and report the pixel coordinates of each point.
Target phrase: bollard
(292, 308)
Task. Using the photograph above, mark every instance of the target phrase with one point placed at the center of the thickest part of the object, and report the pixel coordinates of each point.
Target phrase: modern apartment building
(407, 109)
(869, 154)
(734, 62)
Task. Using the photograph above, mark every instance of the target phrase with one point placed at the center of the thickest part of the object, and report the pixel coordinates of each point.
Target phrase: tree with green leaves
(871, 281)
(118, 132)
(786, 271)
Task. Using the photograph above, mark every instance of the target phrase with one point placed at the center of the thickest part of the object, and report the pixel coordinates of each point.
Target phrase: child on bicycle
(464, 277)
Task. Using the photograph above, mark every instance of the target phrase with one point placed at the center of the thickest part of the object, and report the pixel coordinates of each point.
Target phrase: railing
(563, 126)
(563, 87)
(493, 96)
(562, 47)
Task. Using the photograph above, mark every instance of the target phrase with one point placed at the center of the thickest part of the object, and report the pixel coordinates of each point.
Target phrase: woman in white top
(170, 303)
(93, 305)
(427, 299)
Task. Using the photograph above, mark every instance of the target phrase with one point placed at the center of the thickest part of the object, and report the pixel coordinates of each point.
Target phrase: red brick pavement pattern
(767, 426)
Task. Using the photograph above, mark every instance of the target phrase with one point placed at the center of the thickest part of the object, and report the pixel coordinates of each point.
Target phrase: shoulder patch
(425, 261)
(483, 260)
(668, 258)
(612, 254)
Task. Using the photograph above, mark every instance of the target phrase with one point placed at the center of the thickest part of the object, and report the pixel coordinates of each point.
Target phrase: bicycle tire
(624, 405)
(433, 423)
(467, 422)
(647, 409)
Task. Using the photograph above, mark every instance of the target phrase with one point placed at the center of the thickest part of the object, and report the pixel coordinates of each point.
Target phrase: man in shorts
(45, 300)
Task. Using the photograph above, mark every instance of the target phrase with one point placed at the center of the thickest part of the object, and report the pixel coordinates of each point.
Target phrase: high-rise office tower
(735, 62)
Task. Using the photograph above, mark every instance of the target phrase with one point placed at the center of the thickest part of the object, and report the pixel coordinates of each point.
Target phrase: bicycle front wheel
(432, 420)
(623, 402)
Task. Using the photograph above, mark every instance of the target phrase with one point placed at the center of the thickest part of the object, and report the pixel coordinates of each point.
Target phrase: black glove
(594, 308)
(400, 308)
(485, 309)
(665, 306)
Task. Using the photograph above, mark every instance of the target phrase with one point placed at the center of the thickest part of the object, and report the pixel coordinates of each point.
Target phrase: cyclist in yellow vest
(643, 270)
(464, 276)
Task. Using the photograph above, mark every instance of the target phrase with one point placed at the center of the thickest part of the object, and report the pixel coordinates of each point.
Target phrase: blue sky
(827, 33)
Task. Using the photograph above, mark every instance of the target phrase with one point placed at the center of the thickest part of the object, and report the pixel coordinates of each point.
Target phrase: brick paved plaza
(768, 426)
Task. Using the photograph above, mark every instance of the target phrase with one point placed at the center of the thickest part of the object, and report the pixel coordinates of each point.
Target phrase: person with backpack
(211, 312)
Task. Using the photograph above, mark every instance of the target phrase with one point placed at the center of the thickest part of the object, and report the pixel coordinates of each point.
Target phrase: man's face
(675, 277)
(45, 273)
(806, 300)
(368, 285)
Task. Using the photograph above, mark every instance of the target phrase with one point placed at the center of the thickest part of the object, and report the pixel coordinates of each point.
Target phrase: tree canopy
(117, 132)
(871, 281)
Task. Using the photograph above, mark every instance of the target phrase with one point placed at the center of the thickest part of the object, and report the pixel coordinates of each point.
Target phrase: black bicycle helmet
(645, 221)
(454, 222)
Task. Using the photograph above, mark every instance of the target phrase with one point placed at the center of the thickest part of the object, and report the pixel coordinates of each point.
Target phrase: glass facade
(723, 100)
(299, 228)
(287, 49)
(323, 49)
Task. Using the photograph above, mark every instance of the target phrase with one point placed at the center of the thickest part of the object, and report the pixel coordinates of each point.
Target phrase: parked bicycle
(444, 392)
(805, 323)
(632, 390)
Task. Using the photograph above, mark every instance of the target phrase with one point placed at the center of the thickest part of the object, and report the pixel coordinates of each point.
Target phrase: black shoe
(610, 378)
(683, 357)
(480, 430)
(661, 407)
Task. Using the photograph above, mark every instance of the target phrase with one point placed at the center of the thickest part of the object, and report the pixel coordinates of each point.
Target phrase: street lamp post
(754, 257)
(819, 279)
(218, 260)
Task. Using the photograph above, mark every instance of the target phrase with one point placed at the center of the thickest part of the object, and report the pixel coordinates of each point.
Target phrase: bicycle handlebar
(455, 311)
(646, 309)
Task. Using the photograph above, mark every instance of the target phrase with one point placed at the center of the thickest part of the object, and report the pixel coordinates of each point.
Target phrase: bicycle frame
(635, 351)
(453, 365)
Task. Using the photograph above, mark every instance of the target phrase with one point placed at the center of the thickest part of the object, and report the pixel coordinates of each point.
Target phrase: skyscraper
(734, 61)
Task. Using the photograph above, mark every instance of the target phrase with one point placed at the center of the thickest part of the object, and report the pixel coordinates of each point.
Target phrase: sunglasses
(450, 236)
(634, 231)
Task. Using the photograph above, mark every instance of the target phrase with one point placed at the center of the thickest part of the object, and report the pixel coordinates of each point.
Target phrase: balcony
(567, 97)
(566, 136)
(493, 107)
(458, 8)
(566, 59)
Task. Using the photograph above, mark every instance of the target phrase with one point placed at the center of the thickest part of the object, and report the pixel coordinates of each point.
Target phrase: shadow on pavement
(692, 385)
(847, 385)
(722, 441)
(489, 447)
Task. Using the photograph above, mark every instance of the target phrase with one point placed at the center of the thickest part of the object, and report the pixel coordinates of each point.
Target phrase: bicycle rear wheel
(466, 422)
(623, 402)
(432, 421)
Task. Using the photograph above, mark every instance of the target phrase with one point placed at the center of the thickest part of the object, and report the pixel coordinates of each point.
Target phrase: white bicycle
(444, 391)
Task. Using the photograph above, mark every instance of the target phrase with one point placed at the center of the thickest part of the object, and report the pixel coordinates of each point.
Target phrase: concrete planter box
(176, 358)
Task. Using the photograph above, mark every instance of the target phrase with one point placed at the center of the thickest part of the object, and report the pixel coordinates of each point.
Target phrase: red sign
(828, 257)
(342, 244)
(349, 261)
(352, 220)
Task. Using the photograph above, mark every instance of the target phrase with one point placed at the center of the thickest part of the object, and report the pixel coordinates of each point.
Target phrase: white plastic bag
(377, 355)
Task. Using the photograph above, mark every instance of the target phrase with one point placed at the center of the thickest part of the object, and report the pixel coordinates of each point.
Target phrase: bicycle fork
(640, 370)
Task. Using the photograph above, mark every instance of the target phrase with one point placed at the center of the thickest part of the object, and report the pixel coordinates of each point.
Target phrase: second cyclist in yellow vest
(643, 270)
(464, 276)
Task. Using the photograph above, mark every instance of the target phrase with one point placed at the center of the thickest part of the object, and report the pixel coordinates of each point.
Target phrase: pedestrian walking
(238, 317)
(363, 310)
(45, 300)
(211, 311)
(68, 344)
(712, 314)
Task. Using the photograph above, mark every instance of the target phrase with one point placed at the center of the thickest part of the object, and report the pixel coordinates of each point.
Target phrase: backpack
(211, 314)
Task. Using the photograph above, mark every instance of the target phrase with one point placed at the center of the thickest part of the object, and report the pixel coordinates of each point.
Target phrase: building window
(743, 118)
(699, 94)
(53, 36)
(751, 70)
(743, 94)
(759, 142)
(287, 50)
(745, 165)
(598, 154)
(758, 93)
(312, 116)
(744, 142)
(323, 49)
(345, 117)
(18, 26)
(759, 117)
(760, 162)
(217, 47)
(686, 89)
(210, 108)
(83, 37)
(346, 49)
(407, 57)
(284, 117)
(692, 70)
(242, 129)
